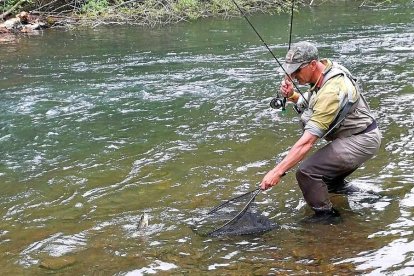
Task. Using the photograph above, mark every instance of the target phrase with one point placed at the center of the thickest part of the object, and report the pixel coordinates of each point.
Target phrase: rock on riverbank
(23, 23)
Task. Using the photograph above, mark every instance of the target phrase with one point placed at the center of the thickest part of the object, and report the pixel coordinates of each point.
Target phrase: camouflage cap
(300, 53)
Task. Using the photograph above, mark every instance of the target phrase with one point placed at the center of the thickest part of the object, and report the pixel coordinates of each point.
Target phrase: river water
(99, 126)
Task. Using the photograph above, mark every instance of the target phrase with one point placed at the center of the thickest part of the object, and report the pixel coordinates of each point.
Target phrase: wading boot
(326, 217)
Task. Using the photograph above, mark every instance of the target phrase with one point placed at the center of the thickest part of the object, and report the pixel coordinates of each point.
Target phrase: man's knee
(314, 190)
(304, 179)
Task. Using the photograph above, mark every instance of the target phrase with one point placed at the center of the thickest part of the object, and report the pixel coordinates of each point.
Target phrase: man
(335, 110)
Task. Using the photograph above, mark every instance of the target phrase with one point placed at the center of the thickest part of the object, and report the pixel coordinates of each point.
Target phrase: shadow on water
(99, 126)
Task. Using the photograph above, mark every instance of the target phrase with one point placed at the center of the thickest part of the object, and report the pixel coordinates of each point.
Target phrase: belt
(372, 126)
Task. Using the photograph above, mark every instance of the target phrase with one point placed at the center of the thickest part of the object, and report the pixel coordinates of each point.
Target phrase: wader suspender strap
(345, 110)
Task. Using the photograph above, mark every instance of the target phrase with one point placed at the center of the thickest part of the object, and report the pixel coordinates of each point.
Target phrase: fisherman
(333, 109)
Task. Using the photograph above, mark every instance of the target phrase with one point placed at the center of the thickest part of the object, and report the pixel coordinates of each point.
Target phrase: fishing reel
(277, 103)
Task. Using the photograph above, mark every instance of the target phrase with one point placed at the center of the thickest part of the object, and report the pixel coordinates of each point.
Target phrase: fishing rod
(277, 101)
(291, 23)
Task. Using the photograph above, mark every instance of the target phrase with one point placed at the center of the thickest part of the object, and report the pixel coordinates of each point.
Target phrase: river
(101, 125)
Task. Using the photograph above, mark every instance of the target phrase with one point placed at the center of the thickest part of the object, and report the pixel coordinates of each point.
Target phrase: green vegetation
(143, 12)
(153, 12)
(94, 7)
(158, 12)
(8, 6)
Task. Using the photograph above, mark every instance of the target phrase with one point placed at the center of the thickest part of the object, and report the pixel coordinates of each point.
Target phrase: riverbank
(145, 13)
(24, 17)
(93, 13)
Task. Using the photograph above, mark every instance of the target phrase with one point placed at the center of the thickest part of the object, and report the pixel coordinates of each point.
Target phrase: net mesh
(238, 216)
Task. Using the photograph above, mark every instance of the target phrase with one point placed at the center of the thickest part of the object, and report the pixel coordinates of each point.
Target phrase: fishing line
(267, 47)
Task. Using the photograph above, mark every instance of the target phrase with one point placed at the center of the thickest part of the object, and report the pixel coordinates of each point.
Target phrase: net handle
(257, 190)
(233, 199)
(241, 213)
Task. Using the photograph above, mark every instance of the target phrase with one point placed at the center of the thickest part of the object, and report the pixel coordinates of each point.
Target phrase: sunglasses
(301, 67)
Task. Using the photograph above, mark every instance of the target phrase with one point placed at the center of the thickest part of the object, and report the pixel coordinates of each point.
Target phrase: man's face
(304, 73)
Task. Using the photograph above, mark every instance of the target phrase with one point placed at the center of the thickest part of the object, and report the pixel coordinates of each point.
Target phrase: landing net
(237, 216)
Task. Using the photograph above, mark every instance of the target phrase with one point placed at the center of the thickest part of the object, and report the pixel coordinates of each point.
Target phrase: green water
(99, 126)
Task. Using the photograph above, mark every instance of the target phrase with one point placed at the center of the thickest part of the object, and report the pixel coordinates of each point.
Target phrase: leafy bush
(222, 7)
(189, 8)
(5, 5)
(95, 7)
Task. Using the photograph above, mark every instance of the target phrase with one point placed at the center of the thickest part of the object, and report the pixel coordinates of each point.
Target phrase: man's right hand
(286, 88)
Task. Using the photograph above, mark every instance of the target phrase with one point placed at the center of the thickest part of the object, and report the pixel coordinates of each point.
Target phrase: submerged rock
(57, 263)
(143, 222)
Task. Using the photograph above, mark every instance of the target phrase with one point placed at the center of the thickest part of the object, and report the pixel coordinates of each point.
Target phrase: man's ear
(313, 64)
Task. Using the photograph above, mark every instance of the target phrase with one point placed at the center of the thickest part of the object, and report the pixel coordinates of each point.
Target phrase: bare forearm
(296, 154)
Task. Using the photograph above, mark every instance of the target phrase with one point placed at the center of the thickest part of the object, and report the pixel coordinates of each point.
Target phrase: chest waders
(348, 104)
